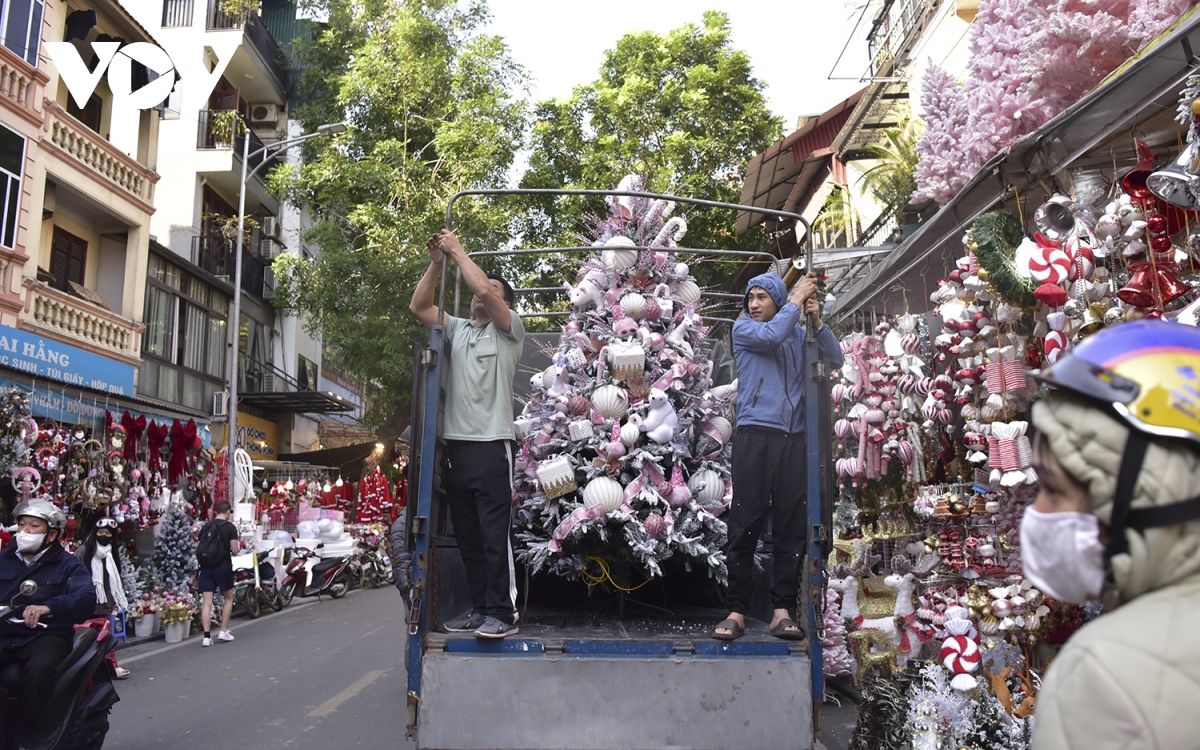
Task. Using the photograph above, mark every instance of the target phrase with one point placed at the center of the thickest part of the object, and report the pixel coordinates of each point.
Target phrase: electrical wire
(605, 576)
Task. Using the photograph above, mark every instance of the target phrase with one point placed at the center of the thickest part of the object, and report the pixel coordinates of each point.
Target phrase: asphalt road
(320, 675)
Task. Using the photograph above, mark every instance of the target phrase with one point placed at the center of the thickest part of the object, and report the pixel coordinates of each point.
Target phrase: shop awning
(1095, 133)
(296, 402)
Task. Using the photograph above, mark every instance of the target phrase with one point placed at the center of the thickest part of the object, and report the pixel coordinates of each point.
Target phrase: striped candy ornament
(960, 655)
(1052, 265)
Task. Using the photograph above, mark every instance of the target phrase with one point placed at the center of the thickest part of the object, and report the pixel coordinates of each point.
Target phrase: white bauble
(611, 401)
(681, 269)
(633, 304)
(618, 258)
(707, 487)
(630, 434)
(722, 424)
(605, 492)
(687, 292)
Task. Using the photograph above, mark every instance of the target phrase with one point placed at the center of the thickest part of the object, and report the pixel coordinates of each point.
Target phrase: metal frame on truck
(428, 382)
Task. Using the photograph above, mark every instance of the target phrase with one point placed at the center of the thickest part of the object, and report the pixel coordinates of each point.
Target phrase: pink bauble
(837, 393)
(655, 524)
(578, 405)
(652, 311)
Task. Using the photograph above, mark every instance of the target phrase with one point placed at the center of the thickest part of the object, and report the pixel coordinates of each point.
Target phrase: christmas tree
(624, 462)
(131, 579)
(942, 171)
(836, 656)
(174, 554)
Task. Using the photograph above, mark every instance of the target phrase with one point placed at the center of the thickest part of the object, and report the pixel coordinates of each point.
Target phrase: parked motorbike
(333, 576)
(375, 562)
(77, 712)
(255, 588)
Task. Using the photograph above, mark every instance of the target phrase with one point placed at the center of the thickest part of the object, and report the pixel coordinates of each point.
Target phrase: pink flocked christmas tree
(1149, 18)
(836, 656)
(943, 168)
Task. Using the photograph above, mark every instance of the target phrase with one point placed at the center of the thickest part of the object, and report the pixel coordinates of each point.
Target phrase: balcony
(257, 38)
(73, 320)
(216, 256)
(19, 84)
(894, 33)
(177, 13)
(98, 157)
(216, 130)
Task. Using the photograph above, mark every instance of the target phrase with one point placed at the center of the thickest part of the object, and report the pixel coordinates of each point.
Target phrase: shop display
(624, 450)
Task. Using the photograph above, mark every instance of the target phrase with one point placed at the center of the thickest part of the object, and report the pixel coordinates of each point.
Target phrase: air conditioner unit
(268, 382)
(270, 249)
(268, 113)
(270, 227)
(221, 404)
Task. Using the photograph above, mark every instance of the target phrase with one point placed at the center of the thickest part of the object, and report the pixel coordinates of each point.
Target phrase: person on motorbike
(65, 596)
(1117, 518)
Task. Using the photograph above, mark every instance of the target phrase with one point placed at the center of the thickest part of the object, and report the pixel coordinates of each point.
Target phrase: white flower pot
(144, 628)
(175, 631)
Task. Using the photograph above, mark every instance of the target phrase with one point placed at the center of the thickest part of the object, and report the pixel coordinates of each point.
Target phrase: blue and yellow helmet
(1148, 372)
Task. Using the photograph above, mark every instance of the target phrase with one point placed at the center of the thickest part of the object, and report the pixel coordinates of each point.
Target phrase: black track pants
(478, 484)
(768, 477)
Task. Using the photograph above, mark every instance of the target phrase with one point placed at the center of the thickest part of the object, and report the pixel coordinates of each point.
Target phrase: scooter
(375, 562)
(254, 587)
(77, 712)
(333, 576)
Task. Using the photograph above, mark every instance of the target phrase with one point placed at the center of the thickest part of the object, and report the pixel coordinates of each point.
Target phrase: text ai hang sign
(197, 80)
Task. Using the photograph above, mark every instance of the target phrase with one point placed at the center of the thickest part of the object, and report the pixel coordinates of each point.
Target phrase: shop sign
(258, 436)
(47, 358)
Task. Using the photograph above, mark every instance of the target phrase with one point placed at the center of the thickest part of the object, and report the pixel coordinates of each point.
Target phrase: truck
(617, 672)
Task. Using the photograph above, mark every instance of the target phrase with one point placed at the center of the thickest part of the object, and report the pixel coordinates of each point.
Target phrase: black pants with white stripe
(478, 484)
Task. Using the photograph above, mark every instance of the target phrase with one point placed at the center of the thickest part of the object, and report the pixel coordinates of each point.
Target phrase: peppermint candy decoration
(1052, 265)
(907, 384)
(960, 654)
(910, 343)
(1056, 344)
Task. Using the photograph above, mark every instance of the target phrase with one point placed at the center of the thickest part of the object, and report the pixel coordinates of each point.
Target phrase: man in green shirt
(478, 431)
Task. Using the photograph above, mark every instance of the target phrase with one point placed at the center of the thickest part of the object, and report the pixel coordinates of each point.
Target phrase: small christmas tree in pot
(624, 458)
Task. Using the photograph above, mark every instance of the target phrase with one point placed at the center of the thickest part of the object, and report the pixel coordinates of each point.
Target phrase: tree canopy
(433, 107)
(683, 109)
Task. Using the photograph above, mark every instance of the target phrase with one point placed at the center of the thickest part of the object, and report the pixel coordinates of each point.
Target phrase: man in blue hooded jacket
(768, 446)
(65, 596)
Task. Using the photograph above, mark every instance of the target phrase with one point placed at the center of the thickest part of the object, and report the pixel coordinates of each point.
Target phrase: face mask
(27, 542)
(104, 540)
(1062, 554)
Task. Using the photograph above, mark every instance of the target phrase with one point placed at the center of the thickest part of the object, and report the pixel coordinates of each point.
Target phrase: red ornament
(1156, 224)
(1161, 244)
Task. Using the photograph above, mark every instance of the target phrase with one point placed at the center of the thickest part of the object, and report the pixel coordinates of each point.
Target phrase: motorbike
(77, 712)
(375, 562)
(255, 588)
(333, 576)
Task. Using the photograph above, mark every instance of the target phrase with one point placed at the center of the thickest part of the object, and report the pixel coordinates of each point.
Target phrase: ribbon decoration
(1010, 455)
(1003, 377)
(156, 436)
(183, 441)
(133, 433)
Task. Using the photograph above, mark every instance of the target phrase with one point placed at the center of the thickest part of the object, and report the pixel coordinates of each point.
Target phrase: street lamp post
(235, 318)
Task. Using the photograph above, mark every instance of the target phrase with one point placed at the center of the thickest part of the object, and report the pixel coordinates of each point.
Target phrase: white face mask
(27, 542)
(1062, 554)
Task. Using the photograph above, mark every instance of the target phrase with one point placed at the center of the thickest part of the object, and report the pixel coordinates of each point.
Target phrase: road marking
(332, 704)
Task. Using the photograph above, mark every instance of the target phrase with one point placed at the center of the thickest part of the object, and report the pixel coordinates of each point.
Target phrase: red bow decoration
(133, 433)
(183, 441)
(108, 423)
(156, 436)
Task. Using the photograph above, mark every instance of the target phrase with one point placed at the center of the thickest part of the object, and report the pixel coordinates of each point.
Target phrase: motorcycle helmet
(43, 509)
(1146, 374)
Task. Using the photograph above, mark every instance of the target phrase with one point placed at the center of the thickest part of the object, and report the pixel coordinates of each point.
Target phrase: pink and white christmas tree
(943, 168)
(836, 656)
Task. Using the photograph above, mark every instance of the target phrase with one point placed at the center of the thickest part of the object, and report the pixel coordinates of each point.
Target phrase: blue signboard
(46, 358)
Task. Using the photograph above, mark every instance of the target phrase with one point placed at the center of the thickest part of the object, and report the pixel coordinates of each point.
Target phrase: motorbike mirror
(28, 587)
(322, 544)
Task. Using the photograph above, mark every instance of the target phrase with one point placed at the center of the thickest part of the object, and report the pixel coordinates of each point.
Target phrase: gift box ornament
(580, 429)
(557, 476)
(628, 359)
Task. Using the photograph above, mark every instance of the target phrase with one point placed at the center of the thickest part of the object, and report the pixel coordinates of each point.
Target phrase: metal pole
(235, 319)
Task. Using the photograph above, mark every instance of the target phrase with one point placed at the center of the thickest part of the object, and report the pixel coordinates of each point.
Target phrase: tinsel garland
(174, 613)
(883, 714)
(993, 240)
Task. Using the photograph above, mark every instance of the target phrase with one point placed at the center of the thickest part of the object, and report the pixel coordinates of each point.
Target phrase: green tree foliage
(891, 181)
(683, 109)
(430, 106)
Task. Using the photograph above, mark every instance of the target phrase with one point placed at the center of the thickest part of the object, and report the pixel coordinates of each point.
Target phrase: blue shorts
(216, 579)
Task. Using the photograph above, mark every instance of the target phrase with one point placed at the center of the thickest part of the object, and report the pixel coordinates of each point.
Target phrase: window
(90, 115)
(12, 155)
(306, 373)
(177, 13)
(184, 345)
(22, 26)
(68, 255)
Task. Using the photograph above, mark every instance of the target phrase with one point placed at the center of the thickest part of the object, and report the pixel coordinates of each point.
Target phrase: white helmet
(43, 509)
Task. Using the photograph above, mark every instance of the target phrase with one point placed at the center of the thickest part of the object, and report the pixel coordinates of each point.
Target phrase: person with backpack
(215, 548)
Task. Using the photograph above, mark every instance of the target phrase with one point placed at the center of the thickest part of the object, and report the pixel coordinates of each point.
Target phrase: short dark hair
(222, 507)
(509, 295)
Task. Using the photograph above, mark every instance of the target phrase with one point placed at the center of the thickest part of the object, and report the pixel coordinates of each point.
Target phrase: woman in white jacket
(1118, 519)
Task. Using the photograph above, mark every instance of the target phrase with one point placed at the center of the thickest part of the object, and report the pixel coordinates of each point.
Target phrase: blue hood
(770, 283)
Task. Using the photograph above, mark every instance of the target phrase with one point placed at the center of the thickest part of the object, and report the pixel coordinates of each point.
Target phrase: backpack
(209, 552)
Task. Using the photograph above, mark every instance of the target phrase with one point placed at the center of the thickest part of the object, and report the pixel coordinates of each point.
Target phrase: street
(319, 674)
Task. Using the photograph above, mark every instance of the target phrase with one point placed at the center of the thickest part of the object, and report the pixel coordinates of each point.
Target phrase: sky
(792, 44)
